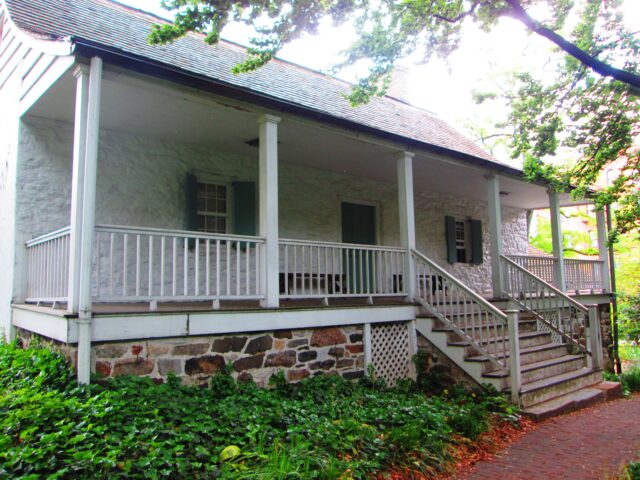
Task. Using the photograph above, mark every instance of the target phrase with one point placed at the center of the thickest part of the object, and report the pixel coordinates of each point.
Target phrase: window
(461, 242)
(212, 207)
(464, 240)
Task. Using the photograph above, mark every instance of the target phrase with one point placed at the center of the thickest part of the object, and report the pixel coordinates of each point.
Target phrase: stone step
(533, 393)
(527, 339)
(523, 326)
(546, 368)
(527, 355)
(585, 397)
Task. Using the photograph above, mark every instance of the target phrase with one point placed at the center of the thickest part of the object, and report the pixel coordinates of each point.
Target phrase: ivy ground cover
(324, 427)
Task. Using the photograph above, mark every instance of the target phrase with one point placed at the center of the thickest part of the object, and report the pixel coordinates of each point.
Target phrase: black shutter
(450, 228)
(244, 208)
(476, 242)
(191, 203)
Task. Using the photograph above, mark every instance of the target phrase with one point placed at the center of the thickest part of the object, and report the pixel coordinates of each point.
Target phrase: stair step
(524, 326)
(527, 355)
(585, 397)
(533, 393)
(527, 339)
(547, 368)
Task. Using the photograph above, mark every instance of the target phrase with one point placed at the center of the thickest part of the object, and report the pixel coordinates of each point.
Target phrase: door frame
(377, 216)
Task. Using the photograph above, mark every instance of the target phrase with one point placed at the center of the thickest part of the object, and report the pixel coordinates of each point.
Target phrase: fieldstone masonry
(300, 353)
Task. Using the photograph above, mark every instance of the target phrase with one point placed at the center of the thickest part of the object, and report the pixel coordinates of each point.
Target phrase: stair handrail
(499, 361)
(556, 291)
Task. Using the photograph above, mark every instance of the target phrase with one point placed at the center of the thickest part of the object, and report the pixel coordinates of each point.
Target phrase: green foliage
(630, 380)
(324, 427)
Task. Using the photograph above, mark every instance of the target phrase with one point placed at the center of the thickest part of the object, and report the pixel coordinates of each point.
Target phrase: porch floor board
(227, 305)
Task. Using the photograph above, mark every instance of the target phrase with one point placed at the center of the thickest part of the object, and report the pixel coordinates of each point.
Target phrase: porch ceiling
(149, 107)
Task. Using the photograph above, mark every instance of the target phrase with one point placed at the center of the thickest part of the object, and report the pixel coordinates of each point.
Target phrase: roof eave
(147, 66)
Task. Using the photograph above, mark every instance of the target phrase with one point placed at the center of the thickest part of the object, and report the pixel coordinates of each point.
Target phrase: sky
(444, 88)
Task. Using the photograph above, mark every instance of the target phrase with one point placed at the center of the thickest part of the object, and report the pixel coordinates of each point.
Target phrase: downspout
(614, 295)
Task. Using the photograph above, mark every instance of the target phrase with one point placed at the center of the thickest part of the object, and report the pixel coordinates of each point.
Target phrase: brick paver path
(589, 444)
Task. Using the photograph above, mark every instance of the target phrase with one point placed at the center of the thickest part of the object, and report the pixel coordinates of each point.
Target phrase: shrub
(324, 427)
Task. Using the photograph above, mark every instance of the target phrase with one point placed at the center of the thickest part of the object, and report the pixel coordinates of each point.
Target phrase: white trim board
(122, 327)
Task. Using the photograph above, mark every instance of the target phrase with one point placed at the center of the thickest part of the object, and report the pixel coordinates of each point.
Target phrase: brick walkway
(585, 445)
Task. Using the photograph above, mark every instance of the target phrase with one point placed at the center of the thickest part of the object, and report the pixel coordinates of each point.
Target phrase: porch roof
(121, 32)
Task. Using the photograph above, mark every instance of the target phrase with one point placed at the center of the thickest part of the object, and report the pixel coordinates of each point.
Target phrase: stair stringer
(424, 326)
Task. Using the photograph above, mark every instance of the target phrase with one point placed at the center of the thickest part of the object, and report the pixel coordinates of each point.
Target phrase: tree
(591, 106)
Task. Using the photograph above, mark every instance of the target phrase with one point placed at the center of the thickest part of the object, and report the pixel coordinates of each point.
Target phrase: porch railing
(467, 313)
(48, 267)
(580, 274)
(584, 275)
(325, 270)
(146, 264)
(541, 267)
(566, 319)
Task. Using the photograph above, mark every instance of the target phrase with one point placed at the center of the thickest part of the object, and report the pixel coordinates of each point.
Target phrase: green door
(358, 226)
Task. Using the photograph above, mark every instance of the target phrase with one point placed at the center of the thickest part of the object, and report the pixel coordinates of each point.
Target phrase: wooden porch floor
(228, 305)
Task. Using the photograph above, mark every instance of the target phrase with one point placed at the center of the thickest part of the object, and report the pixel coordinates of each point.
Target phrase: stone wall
(299, 353)
(437, 363)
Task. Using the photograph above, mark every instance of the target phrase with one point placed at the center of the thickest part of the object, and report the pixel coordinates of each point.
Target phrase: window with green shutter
(464, 240)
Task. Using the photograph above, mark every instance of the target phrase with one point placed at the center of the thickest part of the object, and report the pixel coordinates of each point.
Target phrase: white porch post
(556, 239)
(87, 226)
(269, 262)
(601, 224)
(495, 233)
(81, 73)
(407, 219)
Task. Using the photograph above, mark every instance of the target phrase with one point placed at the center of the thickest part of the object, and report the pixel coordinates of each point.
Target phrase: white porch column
(407, 219)
(87, 227)
(601, 224)
(495, 233)
(81, 73)
(556, 239)
(269, 261)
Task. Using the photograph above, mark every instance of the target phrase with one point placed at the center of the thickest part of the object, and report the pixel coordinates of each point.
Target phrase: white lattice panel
(390, 351)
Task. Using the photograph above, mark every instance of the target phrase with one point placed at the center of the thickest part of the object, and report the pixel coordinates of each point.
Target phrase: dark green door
(358, 226)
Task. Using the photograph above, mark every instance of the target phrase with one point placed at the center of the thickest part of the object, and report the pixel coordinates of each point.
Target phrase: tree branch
(460, 16)
(598, 66)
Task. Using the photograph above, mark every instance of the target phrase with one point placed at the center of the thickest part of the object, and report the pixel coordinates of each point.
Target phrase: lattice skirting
(391, 350)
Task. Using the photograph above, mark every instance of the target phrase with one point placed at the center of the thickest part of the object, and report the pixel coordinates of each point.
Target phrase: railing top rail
(532, 257)
(48, 236)
(555, 290)
(462, 286)
(582, 260)
(288, 241)
(176, 233)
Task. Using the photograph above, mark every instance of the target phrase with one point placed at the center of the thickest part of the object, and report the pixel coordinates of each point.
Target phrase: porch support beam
(81, 73)
(495, 233)
(556, 239)
(603, 249)
(87, 226)
(268, 159)
(407, 219)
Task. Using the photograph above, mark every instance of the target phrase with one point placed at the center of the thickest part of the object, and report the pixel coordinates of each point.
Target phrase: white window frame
(222, 182)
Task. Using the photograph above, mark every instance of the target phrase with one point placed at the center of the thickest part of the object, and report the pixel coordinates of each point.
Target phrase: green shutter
(450, 228)
(244, 208)
(191, 203)
(476, 242)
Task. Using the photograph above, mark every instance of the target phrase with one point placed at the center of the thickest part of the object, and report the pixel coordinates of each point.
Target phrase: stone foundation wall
(299, 353)
(437, 363)
(607, 336)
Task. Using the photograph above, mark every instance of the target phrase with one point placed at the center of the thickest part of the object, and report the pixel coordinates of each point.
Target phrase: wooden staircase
(551, 373)
(558, 343)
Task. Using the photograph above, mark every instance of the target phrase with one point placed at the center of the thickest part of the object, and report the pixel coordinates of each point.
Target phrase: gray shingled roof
(118, 27)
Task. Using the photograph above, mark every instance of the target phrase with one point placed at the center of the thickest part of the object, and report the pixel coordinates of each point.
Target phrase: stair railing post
(595, 338)
(513, 317)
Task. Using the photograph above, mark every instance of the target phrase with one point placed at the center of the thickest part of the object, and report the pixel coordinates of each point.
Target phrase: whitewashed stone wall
(9, 134)
(141, 183)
